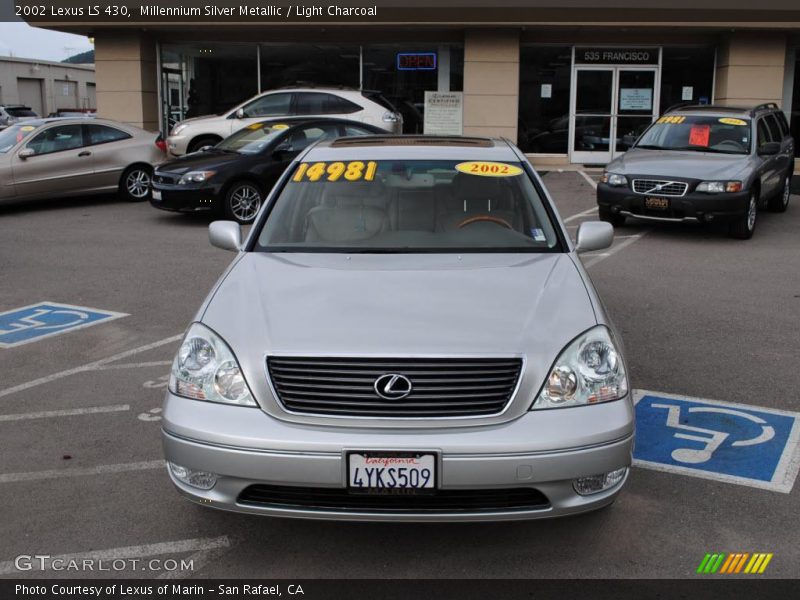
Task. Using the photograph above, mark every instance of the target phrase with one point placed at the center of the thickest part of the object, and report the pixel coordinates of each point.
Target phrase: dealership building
(569, 83)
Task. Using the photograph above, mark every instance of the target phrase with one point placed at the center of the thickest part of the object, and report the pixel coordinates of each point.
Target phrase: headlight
(178, 128)
(717, 187)
(588, 371)
(196, 177)
(392, 117)
(614, 179)
(206, 369)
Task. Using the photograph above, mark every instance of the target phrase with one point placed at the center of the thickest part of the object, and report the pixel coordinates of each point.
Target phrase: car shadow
(25, 206)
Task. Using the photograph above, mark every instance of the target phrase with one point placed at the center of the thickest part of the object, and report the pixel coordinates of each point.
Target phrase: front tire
(134, 185)
(201, 142)
(616, 219)
(781, 202)
(742, 227)
(242, 202)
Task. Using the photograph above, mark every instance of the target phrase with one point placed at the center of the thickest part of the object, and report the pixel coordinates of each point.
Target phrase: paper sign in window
(698, 135)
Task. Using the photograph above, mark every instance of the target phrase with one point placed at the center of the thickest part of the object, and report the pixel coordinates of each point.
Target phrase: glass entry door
(611, 106)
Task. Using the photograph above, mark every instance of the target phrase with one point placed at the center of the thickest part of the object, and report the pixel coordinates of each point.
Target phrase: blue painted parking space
(753, 446)
(45, 319)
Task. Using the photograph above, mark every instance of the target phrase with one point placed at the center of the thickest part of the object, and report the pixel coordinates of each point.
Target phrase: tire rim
(138, 183)
(245, 202)
(787, 191)
(751, 214)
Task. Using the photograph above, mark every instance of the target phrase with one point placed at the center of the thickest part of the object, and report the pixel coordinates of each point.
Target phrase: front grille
(659, 187)
(441, 387)
(440, 501)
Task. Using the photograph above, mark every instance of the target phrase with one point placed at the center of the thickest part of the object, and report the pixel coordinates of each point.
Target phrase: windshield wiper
(651, 147)
(706, 149)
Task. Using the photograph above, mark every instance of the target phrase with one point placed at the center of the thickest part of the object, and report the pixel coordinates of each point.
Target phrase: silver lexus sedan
(406, 334)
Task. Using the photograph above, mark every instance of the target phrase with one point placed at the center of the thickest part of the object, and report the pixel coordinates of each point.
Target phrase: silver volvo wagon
(405, 334)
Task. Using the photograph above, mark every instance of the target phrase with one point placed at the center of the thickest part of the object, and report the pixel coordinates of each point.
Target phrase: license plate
(656, 203)
(156, 194)
(391, 472)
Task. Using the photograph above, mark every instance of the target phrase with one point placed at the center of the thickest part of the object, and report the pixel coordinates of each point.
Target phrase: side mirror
(240, 113)
(594, 235)
(226, 235)
(26, 153)
(769, 149)
(282, 152)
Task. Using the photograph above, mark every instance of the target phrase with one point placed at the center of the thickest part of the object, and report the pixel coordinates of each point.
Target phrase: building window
(403, 72)
(687, 75)
(299, 65)
(544, 91)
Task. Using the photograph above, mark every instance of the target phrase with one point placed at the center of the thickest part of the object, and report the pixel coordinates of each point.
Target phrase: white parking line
(92, 366)
(591, 181)
(92, 410)
(580, 214)
(593, 260)
(128, 552)
(155, 363)
(81, 471)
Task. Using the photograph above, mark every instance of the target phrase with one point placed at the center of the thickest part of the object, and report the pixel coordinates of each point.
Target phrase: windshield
(408, 206)
(725, 135)
(13, 135)
(253, 138)
(21, 112)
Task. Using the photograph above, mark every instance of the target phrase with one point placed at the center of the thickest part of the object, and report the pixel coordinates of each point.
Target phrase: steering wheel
(487, 218)
(730, 145)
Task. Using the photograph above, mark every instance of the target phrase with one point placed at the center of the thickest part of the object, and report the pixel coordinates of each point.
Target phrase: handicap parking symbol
(45, 319)
(754, 446)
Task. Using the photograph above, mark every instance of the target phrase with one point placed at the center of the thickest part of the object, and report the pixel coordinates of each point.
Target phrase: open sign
(416, 61)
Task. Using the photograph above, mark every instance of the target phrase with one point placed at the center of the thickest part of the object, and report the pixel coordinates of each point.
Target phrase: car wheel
(198, 143)
(135, 183)
(616, 219)
(243, 201)
(744, 226)
(781, 202)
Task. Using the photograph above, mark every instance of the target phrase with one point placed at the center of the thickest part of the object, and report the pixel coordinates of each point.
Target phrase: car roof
(413, 147)
(295, 120)
(716, 109)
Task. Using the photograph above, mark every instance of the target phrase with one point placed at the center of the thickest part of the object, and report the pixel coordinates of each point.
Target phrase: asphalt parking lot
(701, 315)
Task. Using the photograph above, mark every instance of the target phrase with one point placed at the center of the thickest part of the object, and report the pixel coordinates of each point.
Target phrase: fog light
(598, 483)
(199, 479)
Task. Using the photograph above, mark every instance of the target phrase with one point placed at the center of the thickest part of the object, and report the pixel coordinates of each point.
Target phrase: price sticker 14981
(355, 170)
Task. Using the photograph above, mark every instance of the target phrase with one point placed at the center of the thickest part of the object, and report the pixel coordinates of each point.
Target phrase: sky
(23, 41)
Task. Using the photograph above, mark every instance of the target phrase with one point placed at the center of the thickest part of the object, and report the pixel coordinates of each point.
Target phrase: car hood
(682, 164)
(528, 305)
(198, 161)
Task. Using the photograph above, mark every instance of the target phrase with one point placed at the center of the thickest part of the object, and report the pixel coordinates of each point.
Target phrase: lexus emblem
(393, 386)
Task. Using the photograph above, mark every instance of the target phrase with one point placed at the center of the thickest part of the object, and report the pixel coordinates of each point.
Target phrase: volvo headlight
(614, 179)
(206, 369)
(196, 177)
(717, 187)
(589, 370)
(178, 128)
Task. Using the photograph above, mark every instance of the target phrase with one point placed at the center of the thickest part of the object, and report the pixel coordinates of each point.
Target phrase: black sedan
(235, 176)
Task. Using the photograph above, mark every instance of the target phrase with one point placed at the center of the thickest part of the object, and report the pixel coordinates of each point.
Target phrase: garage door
(30, 94)
(66, 94)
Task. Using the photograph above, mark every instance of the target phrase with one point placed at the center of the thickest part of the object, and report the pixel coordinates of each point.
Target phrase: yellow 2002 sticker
(27, 128)
(280, 126)
(355, 170)
(488, 169)
(730, 121)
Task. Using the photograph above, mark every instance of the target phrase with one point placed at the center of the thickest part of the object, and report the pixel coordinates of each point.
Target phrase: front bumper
(692, 207)
(184, 199)
(246, 447)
